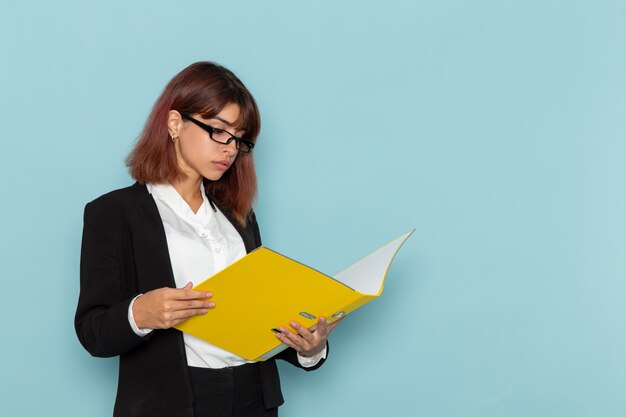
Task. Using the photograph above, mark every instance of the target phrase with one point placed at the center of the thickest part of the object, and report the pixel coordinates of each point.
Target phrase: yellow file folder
(265, 290)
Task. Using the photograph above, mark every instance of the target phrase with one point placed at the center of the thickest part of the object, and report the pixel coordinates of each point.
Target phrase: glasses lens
(220, 135)
(243, 146)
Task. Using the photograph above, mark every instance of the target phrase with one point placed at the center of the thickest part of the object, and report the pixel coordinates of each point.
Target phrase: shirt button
(204, 234)
(218, 250)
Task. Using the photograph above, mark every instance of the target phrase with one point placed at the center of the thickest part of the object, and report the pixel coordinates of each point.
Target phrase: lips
(223, 165)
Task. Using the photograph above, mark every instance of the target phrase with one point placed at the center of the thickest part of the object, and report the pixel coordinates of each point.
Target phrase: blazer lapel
(152, 258)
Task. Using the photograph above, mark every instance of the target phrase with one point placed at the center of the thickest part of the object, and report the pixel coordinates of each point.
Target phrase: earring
(174, 139)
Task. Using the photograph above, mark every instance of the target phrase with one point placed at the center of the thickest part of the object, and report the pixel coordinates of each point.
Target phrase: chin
(213, 176)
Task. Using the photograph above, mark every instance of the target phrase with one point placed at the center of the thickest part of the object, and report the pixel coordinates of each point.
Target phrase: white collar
(167, 194)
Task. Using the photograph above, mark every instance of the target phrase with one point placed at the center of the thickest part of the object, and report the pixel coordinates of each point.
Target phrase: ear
(174, 123)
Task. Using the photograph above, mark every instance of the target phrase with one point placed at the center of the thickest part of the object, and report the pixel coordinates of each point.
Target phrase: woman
(188, 216)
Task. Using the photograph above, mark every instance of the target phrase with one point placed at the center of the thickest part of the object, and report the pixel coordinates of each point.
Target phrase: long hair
(203, 88)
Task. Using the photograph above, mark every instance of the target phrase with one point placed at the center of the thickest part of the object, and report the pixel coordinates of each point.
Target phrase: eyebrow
(226, 122)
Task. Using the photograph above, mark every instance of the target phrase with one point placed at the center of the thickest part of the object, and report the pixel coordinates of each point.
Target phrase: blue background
(495, 128)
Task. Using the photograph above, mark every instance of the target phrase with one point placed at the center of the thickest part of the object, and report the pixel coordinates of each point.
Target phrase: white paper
(368, 275)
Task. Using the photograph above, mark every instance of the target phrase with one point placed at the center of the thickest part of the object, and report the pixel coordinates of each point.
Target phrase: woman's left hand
(306, 342)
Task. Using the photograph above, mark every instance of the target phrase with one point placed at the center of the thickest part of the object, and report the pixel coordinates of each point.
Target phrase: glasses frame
(210, 129)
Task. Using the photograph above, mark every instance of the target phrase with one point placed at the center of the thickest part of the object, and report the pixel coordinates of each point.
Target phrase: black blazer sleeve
(101, 319)
(291, 356)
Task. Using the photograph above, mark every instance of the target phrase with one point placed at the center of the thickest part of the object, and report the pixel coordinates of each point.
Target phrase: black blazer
(124, 253)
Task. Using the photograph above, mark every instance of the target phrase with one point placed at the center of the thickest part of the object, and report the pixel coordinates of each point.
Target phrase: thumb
(188, 286)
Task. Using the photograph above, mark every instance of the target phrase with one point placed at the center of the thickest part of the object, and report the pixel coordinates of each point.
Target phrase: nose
(230, 148)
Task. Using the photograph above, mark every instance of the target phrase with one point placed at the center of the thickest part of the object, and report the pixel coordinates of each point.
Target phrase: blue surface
(495, 128)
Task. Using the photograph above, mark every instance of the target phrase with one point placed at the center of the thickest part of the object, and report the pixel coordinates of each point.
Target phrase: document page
(368, 275)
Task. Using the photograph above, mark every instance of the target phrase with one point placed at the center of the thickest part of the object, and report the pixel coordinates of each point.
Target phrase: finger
(322, 327)
(332, 325)
(297, 341)
(171, 319)
(182, 315)
(188, 294)
(190, 304)
(303, 331)
(194, 312)
(284, 337)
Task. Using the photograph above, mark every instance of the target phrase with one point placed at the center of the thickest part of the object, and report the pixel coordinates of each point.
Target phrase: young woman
(188, 216)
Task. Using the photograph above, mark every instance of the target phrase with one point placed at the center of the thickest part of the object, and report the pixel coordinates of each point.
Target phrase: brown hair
(203, 88)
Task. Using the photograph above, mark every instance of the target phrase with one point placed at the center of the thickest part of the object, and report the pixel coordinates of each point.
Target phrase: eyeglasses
(222, 136)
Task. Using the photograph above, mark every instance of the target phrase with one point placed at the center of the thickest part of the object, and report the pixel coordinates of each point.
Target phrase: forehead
(229, 115)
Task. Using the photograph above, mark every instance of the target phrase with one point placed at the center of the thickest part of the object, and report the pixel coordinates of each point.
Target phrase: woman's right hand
(166, 307)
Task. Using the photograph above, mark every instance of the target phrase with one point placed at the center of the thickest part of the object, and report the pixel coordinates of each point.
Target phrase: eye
(221, 135)
(246, 145)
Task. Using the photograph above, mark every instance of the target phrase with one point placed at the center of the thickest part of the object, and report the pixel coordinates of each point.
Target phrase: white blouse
(200, 245)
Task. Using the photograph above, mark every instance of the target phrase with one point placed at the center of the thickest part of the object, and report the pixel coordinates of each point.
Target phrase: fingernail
(204, 310)
(293, 324)
(209, 294)
(211, 305)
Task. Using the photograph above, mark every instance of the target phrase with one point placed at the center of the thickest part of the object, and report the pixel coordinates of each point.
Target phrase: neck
(189, 190)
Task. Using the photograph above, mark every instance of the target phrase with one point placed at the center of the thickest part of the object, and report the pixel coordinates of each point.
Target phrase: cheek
(198, 149)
